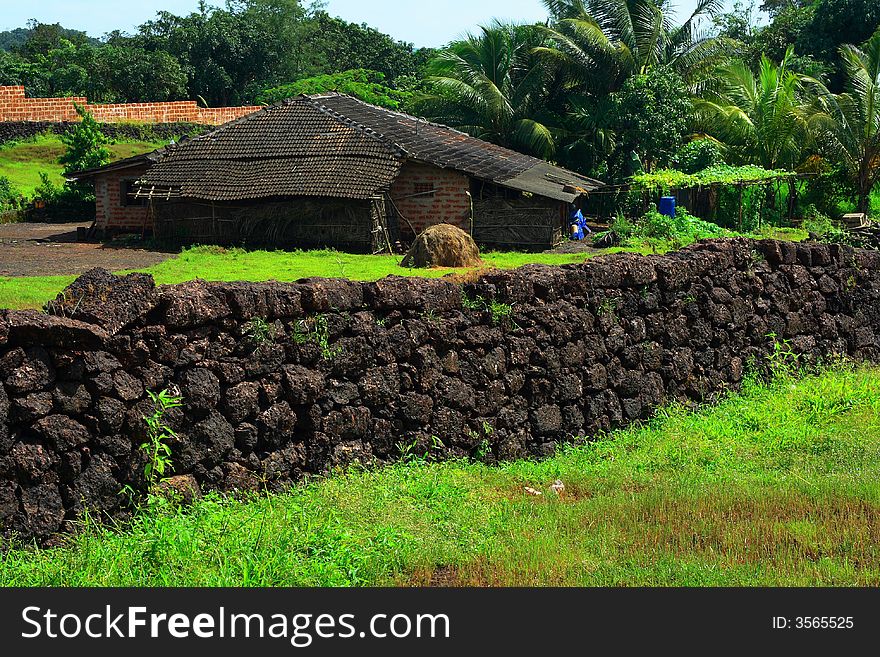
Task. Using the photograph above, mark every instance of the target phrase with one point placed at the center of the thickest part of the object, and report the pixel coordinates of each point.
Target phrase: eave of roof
(545, 179)
(126, 163)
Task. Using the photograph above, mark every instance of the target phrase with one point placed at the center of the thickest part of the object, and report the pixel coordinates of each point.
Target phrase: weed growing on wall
(317, 330)
(259, 331)
(502, 313)
(156, 447)
(783, 359)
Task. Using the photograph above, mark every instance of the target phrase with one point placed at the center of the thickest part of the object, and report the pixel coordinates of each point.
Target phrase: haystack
(443, 245)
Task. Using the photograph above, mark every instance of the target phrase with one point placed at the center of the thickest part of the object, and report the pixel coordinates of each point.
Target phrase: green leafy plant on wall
(156, 447)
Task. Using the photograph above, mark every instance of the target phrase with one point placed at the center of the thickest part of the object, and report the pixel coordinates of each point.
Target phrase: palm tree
(490, 85)
(759, 118)
(847, 125)
(598, 44)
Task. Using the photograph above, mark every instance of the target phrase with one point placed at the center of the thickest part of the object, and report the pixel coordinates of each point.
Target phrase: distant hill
(10, 39)
(16, 37)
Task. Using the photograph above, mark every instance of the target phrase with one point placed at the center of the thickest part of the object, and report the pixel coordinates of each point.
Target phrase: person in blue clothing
(578, 228)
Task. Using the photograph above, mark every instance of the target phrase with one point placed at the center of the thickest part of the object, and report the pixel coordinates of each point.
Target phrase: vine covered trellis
(740, 197)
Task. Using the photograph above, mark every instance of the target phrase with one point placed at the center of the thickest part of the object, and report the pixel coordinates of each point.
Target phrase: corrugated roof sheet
(336, 145)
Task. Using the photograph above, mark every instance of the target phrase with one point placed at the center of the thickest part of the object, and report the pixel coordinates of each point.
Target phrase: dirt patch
(34, 249)
(443, 576)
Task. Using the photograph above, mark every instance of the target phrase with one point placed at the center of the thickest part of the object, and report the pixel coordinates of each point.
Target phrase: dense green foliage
(85, 145)
(650, 116)
(225, 56)
(368, 86)
(680, 230)
(610, 88)
(666, 179)
(847, 125)
(777, 485)
(489, 85)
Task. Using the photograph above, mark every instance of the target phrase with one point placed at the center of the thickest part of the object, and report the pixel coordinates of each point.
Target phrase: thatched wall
(524, 223)
(296, 222)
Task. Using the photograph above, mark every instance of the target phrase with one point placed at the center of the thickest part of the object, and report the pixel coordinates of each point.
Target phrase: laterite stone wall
(352, 370)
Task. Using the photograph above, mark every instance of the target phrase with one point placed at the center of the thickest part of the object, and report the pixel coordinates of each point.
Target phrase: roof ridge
(348, 121)
(419, 119)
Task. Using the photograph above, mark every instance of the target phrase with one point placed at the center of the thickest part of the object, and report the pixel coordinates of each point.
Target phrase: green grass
(22, 161)
(777, 485)
(214, 263)
(217, 264)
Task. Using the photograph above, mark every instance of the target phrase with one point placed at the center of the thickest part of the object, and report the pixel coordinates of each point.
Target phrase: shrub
(623, 227)
(63, 202)
(697, 155)
(682, 229)
(10, 197)
(820, 225)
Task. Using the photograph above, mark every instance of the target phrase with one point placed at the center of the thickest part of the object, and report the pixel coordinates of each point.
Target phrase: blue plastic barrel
(667, 206)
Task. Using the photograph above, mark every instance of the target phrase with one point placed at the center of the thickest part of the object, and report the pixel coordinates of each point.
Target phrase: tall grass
(776, 485)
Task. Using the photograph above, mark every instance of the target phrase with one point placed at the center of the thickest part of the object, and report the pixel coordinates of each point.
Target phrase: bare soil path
(34, 249)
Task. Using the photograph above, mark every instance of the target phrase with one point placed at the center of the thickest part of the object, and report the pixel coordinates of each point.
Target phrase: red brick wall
(15, 106)
(449, 202)
(110, 212)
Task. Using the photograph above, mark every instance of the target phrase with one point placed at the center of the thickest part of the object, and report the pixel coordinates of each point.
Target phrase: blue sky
(423, 22)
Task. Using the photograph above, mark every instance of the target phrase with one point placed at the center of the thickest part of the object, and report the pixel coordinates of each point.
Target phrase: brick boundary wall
(16, 106)
(587, 347)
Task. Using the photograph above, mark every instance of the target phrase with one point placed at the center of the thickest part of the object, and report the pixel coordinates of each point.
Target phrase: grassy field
(22, 161)
(219, 264)
(216, 264)
(777, 485)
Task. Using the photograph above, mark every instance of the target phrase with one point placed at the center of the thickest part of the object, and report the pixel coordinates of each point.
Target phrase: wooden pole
(740, 220)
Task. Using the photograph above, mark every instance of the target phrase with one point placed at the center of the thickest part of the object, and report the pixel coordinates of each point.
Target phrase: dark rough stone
(112, 302)
(238, 478)
(380, 385)
(182, 489)
(246, 436)
(399, 292)
(241, 402)
(71, 398)
(32, 461)
(200, 389)
(34, 373)
(192, 304)
(8, 505)
(30, 408)
(304, 386)
(97, 484)
(110, 413)
(547, 419)
(321, 295)
(29, 327)
(209, 441)
(96, 362)
(4, 420)
(415, 408)
(43, 509)
(349, 423)
(276, 424)
(61, 432)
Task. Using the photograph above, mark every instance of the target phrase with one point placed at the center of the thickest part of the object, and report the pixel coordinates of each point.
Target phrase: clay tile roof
(335, 145)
